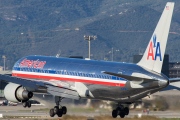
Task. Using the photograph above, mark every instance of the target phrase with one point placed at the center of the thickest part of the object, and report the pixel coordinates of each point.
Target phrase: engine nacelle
(16, 93)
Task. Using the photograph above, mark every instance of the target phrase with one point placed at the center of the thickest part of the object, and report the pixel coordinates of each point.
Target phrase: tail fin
(154, 54)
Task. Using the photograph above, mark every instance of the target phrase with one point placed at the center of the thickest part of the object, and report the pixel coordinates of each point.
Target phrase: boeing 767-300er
(72, 78)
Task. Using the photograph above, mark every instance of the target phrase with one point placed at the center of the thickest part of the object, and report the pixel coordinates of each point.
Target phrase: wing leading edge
(42, 87)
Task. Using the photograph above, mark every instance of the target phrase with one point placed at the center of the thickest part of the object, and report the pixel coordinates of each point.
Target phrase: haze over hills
(46, 27)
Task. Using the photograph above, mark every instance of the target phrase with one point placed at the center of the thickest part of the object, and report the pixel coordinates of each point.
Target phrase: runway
(43, 112)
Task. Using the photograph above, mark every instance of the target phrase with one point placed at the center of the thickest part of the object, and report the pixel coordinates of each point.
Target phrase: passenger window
(91, 75)
(94, 75)
(114, 77)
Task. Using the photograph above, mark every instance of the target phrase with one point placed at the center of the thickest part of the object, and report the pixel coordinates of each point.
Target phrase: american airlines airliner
(123, 83)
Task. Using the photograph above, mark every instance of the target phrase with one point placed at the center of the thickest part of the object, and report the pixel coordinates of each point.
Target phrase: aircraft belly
(112, 92)
(120, 94)
(100, 91)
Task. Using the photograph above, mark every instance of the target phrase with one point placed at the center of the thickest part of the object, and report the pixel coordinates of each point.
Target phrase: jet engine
(16, 93)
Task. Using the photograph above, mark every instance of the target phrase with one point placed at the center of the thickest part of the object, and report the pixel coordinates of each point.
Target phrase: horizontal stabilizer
(171, 80)
(174, 84)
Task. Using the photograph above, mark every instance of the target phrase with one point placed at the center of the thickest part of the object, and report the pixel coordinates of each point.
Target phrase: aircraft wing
(127, 77)
(42, 86)
(63, 92)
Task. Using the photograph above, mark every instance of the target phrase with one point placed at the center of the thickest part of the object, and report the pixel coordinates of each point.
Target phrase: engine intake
(16, 93)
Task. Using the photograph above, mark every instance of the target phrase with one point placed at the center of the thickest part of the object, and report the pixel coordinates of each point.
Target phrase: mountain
(48, 27)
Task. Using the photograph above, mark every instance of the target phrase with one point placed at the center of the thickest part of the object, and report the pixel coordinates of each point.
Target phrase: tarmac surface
(43, 112)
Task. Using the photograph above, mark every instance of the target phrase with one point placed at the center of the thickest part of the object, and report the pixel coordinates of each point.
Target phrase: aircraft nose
(163, 83)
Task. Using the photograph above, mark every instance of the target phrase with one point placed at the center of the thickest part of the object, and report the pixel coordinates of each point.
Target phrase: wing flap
(63, 92)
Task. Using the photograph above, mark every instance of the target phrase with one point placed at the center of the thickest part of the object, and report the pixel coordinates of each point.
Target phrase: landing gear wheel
(126, 111)
(122, 114)
(51, 112)
(56, 109)
(64, 110)
(121, 111)
(24, 104)
(114, 113)
(60, 113)
(28, 104)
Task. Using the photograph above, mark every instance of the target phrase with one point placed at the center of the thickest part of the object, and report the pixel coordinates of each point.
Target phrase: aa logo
(154, 50)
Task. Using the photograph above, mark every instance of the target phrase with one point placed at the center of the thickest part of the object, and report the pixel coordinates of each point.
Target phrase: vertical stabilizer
(154, 54)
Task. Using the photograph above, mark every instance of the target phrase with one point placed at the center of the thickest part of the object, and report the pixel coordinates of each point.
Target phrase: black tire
(56, 109)
(64, 110)
(114, 113)
(24, 104)
(126, 111)
(122, 114)
(29, 104)
(118, 109)
(51, 112)
(60, 113)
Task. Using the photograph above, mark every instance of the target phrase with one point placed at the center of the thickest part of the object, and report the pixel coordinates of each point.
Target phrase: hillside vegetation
(57, 26)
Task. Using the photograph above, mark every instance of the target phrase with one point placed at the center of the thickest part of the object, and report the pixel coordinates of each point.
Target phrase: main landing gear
(121, 111)
(26, 104)
(58, 110)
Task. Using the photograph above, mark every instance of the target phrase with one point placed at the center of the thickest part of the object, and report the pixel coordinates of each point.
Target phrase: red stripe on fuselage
(47, 78)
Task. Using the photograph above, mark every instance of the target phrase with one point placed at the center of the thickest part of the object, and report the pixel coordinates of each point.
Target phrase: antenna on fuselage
(58, 54)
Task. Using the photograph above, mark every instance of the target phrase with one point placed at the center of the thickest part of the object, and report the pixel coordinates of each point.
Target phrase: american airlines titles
(32, 63)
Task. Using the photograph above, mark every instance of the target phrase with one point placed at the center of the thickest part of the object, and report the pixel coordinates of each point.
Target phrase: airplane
(123, 83)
